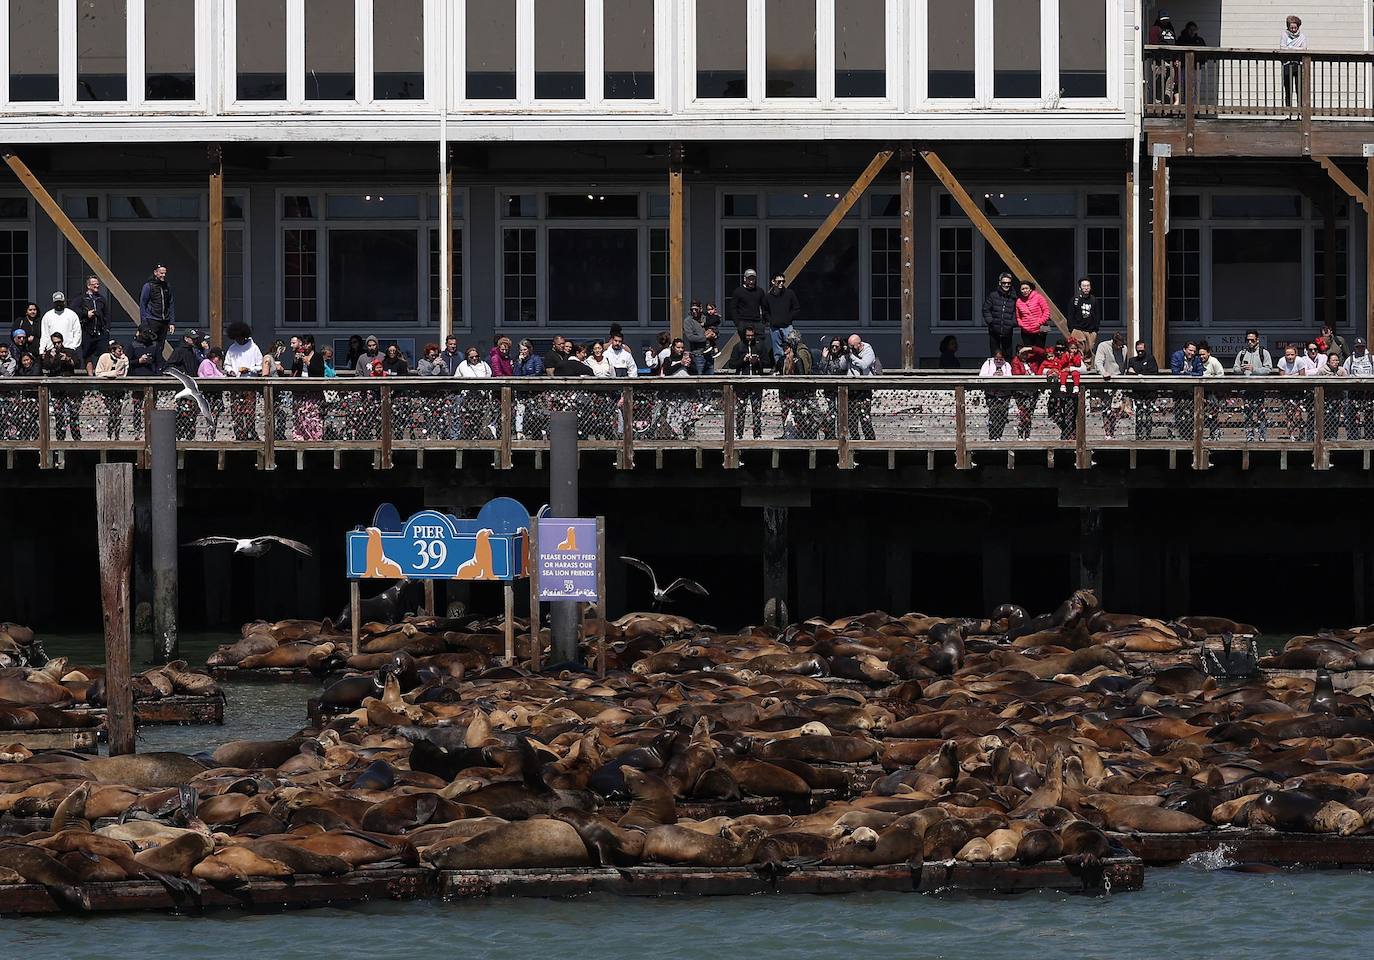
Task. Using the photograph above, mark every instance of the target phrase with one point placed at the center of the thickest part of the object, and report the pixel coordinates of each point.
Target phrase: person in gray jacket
(861, 361)
(1253, 361)
(694, 336)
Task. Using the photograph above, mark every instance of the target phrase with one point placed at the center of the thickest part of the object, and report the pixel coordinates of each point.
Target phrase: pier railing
(962, 419)
(1216, 82)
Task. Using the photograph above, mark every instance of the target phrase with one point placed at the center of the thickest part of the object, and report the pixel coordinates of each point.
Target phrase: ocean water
(1200, 909)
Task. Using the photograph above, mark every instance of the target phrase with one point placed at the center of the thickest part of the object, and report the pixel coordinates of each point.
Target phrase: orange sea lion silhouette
(570, 544)
(378, 566)
(480, 567)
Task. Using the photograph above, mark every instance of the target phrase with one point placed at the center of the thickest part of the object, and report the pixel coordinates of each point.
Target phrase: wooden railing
(964, 418)
(1211, 82)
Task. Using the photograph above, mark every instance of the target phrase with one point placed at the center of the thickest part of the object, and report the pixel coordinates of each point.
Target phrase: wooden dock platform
(1340, 680)
(75, 739)
(1254, 846)
(263, 675)
(178, 710)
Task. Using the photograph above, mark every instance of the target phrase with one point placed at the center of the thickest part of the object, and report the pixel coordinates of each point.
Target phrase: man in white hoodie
(621, 358)
(61, 320)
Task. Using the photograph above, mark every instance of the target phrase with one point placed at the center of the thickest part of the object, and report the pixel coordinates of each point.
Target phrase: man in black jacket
(746, 303)
(1085, 318)
(1143, 364)
(185, 356)
(782, 308)
(999, 316)
(157, 309)
(752, 357)
(95, 323)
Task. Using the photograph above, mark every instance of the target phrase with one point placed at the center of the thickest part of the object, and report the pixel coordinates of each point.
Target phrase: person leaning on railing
(998, 401)
(1253, 360)
(861, 361)
(60, 361)
(1292, 38)
(113, 365)
(752, 357)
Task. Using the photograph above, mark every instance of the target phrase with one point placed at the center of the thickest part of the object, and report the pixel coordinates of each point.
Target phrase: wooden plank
(507, 428)
(908, 201)
(269, 427)
(1082, 456)
(989, 233)
(842, 208)
(114, 504)
(355, 612)
(842, 426)
(1159, 290)
(1190, 98)
(216, 156)
(961, 458)
(64, 224)
(1340, 179)
(1319, 461)
(1199, 408)
(627, 431)
(44, 426)
(388, 428)
(676, 244)
(508, 627)
(727, 404)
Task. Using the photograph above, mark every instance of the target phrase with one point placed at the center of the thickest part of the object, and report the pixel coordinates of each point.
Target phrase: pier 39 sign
(438, 546)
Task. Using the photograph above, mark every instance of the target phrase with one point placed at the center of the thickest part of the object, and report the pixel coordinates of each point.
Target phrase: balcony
(1209, 101)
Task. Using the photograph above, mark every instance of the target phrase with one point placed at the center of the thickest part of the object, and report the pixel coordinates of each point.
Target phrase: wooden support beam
(216, 157)
(1159, 290)
(73, 235)
(1339, 177)
(842, 208)
(114, 510)
(676, 259)
(989, 232)
(908, 198)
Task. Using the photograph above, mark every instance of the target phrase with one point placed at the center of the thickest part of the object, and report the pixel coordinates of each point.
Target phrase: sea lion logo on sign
(437, 546)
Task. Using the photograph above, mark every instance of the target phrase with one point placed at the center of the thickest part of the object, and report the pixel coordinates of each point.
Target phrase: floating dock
(419, 883)
(178, 710)
(74, 739)
(263, 675)
(1253, 846)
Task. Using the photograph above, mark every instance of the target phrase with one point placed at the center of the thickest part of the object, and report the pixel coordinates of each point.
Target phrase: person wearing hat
(746, 303)
(1359, 405)
(61, 319)
(1162, 34)
(186, 355)
(157, 308)
(20, 344)
(95, 323)
(371, 353)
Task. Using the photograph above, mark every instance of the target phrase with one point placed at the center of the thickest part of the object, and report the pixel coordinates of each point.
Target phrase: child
(1069, 362)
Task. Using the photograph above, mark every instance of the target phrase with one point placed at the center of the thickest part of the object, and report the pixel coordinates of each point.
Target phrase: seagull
(662, 596)
(254, 547)
(190, 391)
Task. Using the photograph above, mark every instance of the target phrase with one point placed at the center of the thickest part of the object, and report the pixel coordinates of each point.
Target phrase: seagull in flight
(191, 391)
(253, 547)
(663, 596)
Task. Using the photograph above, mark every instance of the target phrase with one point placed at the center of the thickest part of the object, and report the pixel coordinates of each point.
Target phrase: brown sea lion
(898, 843)
(237, 864)
(608, 845)
(37, 865)
(519, 845)
(652, 804)
(678, 845)
(256, 754)
(177, 857)
(144, 771)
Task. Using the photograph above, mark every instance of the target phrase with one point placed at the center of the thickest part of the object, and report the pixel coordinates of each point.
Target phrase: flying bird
(663, 596)
(191, 391)
(253, 547)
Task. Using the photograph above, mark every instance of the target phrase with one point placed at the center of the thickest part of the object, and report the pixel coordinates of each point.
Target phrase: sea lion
(897, 843)
(608, 845)
(298, 859)
(678, 845)
(178, 856)
(358, 848)
(36, 865)
(510, 846)
(72, 810)
(256, 754)
(1323, 695)
(237, 864)
(652, 805)
(1037, 846)
(144, 771)
(389, 606)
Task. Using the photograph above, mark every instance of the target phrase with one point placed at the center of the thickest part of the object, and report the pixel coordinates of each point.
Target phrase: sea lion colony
(1008, 739)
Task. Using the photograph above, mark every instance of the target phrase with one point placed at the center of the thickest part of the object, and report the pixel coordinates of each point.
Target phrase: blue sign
(437, 546)
(568, 561)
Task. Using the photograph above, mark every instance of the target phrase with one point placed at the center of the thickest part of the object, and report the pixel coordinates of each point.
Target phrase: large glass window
(435, 272)
(134, 253)
(1241, 255)
(14, 272)
(1184, 261)
(658, 277)
(739, 252)
(1016, 49)
(885, 274)
(491, 50)
(1340, 270)
(33, 51)
(950, 48)
(1049, 253)
(791, 49)
(1083, 48)
(829, 286)
(860, 49)
(629, 50)
(592, 276)
(398, 50)
(560, 49)
(1104, 270)
(169, 54)
(101, 59)
(519, 275)
(955, 289)
(260, 45)
(300, 277)
(373, 276)
(329, 50)
(722, 49)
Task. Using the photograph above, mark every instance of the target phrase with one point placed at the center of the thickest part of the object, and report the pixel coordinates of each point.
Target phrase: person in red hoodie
(1067, 361)
(1032, 314)
(1029, 362)
(499, 359)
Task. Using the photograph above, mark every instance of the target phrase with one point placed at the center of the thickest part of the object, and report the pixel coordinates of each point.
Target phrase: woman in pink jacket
(1032, 315)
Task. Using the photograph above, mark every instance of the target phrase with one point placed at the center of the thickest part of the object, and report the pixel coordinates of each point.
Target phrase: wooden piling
(114, 504)
(355, 612)
(601, 596)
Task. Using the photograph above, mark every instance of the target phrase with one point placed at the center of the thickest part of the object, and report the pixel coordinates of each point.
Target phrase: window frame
(28, 224)
(322, 224)
(135, 77)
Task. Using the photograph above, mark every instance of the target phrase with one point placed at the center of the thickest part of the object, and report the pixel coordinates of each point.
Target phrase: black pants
(999, 341)
(861, 409)
(1034, 339)
(1144, 414)
(66, 408)
(998, 408)
(751, 397)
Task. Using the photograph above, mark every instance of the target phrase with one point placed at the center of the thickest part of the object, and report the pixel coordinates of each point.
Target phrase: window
(1029, 204)
(153, 207)
(520, 277)
(491, 50)
(329, 50)
(74, 269)
(14, 272)
(593, 205)
(373, 276)
(33, 51)
(372, 206)
(722, 49)
(169, 54)
(658, 276)
(956, 276)
(593, 276)
(1184, 206)
(1340, 268)
(860, 49)
(741, 205)
(886, 274)
(1256, 206)
(740, 252)
(1016, 50)
(134, 251)
(1083, 48)
(1104, 270)
(455, 285)
(1184, 261)
(790, 50)
(829, 287)
(1104, 204)
(560, 47)
(1238, 257)
(101, 64)
(950, 49)
(233, 277)
(629, 49)
(398, 50)
(300, 277)
(260, 44)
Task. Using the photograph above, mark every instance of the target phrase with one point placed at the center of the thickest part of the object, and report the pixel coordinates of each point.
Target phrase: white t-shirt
(601, 368)
(1311, 366)
(622, 359)
(66, 323)
(238, 356)
(473, 371)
